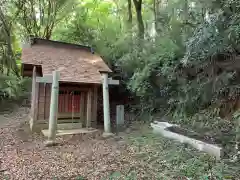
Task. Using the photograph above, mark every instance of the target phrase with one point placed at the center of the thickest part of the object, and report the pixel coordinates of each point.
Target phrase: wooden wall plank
(33, 91)
(36, 102)
(89, 108)
(82, 104)
(41, 102)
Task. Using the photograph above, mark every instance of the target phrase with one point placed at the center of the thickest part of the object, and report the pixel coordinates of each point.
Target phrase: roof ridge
(37, 40)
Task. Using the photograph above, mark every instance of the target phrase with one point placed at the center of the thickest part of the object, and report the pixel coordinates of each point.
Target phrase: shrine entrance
(69, 104)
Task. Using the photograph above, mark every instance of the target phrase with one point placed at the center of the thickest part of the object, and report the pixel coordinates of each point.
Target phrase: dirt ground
(23, 155)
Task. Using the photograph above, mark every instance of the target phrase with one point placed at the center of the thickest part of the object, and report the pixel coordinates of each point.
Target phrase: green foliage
(39, 18)
(8, 45)
(14, 87)
(80, 178)
(118, 175)
(151, 61)
(177, 66)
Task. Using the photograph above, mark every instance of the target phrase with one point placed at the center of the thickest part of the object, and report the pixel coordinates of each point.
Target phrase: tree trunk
(156, 16)
(11, 64)
(138, 7)
(130, 12)
(186, 11)
(118, 13)
(185, 21)
(237, 145)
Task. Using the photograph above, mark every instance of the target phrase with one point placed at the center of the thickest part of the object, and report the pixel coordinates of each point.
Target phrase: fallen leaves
(24, 155)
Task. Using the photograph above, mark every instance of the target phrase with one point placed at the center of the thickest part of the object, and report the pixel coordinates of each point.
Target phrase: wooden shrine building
(80, 70)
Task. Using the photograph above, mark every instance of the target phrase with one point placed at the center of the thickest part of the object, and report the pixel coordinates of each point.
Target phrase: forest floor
(136, 154)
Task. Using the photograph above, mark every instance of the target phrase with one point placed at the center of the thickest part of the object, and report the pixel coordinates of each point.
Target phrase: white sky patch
(38, 15)
(193, 4)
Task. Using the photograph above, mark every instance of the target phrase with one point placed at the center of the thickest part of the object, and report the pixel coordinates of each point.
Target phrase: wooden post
(89, 108)
(36, 110)
(82, 100)
(33, 99)
(53, 109)
(44, 103)
(94, 109)
(119, 117)
(120, 114)
(106, 111)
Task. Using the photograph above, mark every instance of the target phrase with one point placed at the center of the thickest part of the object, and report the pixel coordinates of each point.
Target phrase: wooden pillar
(106, 111)
(44, 100)
(82, 101)
(94, 109)
(33, 100)
(89, 108)
(53, 109)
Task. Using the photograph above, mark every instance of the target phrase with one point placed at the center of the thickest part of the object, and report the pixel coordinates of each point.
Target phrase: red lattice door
(69, 103)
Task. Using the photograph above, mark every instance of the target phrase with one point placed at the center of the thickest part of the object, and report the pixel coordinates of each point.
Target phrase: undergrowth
(207, 122)
(171, 160)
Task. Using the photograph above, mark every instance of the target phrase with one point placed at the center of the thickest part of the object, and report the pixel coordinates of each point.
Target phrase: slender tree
(39, 18)
(156, 13)
(138, 8)
(7, 57)
(130, 13)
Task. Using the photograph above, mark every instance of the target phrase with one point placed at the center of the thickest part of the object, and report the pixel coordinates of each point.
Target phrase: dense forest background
(178, 58)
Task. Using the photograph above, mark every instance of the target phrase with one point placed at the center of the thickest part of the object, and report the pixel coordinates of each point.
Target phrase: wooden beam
(48, 79)
(89, 108)
(45, 79)
(111, 81)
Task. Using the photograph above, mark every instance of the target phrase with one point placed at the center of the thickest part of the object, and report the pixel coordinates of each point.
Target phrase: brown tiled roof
(74, 62)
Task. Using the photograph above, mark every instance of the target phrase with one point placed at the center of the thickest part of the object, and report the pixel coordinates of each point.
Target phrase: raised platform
(69, 126)
(70, 131)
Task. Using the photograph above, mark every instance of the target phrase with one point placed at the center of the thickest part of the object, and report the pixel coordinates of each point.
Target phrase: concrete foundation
(70, 131)
(211, 149)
